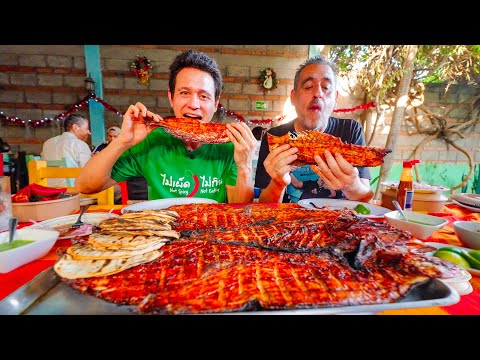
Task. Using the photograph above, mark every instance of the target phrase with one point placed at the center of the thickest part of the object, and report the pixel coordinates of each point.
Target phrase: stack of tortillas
(128, 240)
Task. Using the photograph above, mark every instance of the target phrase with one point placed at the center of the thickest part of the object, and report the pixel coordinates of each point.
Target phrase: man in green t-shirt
(171, 166)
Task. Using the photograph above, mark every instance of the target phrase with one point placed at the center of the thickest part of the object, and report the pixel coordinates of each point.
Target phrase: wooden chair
(64, 162)
(67, 162)
(39, 172)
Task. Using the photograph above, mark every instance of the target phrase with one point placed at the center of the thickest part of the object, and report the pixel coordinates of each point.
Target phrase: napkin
(35, 192)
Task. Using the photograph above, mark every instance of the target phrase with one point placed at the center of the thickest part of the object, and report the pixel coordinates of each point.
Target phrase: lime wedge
(475, 254)
(452, 249)
(362, 209)
(452, 257)
(474, 262)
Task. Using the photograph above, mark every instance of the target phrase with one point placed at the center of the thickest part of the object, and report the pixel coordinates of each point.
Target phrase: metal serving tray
(46, 294)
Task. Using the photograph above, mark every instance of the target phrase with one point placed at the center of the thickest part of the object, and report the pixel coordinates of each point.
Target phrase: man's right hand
(134, 129)
(277, 164)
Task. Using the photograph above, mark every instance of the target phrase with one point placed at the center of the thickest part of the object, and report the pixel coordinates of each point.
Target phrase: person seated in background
(112, 133)
(70, 146)
(314, 96)
(174, 167)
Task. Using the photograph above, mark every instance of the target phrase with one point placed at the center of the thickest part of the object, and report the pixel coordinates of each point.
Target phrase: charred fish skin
(310, 143)
(264, 257)
(192, 130)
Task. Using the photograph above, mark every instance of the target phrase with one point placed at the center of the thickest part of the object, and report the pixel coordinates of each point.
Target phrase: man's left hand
(336, 172)
(244, 142)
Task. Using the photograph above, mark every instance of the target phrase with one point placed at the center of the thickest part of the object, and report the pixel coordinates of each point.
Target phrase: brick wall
(41, 81)
(44, 80)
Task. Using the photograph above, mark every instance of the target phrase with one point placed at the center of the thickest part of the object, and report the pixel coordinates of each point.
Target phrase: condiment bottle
(405, 187)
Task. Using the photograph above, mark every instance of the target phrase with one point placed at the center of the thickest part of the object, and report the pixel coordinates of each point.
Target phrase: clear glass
(5, 202)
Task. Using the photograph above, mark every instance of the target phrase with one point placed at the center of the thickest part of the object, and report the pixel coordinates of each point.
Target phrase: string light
(15, 120)
(359, 107)
(281, 118)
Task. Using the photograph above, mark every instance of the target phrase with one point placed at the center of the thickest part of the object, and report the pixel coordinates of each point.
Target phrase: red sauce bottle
(405, 187)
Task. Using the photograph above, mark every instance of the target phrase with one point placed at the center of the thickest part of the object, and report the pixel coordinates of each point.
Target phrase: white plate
(428, 189)
(59, 222)
(376, 212)
(462, 287)
(467, 199)
(165, 203)
(471, 208)
(440, 245)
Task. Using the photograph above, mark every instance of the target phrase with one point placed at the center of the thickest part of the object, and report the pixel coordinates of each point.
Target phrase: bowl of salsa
(27, 245)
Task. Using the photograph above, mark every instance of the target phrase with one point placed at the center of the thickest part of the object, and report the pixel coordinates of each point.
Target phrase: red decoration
(280, 118)
(14, 120)
(359, 107)
(256, 121)
(142, 67)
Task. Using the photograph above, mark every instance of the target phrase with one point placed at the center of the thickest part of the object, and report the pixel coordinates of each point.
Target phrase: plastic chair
(124, 189)
(39, 172)
(64, 162)
(67, 162)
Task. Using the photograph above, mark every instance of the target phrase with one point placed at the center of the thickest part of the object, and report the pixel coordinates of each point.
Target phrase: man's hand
(277, 164)
(336, 172)
(244, 143)
(134, 129)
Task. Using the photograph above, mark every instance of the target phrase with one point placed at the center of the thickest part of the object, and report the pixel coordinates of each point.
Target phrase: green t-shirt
(173, 171)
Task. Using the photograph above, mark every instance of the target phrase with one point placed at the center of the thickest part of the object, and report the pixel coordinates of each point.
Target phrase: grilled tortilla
(141, 223)
(128, 241)
(146, 233)
(87, 251)
(70, 268)
(164, 215)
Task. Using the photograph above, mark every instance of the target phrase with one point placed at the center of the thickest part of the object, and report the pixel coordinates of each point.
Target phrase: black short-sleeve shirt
(348, 130)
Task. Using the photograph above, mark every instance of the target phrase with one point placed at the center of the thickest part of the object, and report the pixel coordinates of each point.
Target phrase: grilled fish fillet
(193, 130)
(314, 142)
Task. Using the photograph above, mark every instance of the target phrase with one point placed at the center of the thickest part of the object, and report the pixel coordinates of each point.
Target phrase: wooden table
(468, 305)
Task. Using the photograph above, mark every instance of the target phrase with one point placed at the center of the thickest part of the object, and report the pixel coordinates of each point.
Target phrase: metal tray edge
(36, 291)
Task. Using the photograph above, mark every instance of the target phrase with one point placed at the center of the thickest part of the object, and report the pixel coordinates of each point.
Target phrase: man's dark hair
(317, 59)
(197, 60)
(73, 119)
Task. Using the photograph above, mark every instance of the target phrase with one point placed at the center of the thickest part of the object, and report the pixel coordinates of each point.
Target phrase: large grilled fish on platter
(260, 257)
(310, 143)
(189, 129)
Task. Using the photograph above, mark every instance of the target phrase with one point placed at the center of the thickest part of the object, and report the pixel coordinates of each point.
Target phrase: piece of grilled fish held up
(310, 143)
(190, 129)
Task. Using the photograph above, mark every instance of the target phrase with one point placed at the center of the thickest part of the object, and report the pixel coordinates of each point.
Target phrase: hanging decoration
(359, 107)
(268, 80)
(254, 121)
(281, 118)
(142, 68)
(15, 120)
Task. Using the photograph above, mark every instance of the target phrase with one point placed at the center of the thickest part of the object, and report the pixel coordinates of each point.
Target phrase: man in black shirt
(314, 97)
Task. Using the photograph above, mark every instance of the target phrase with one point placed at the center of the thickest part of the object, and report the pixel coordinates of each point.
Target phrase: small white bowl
(43, 241)
(427, 226)
(468, 232)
